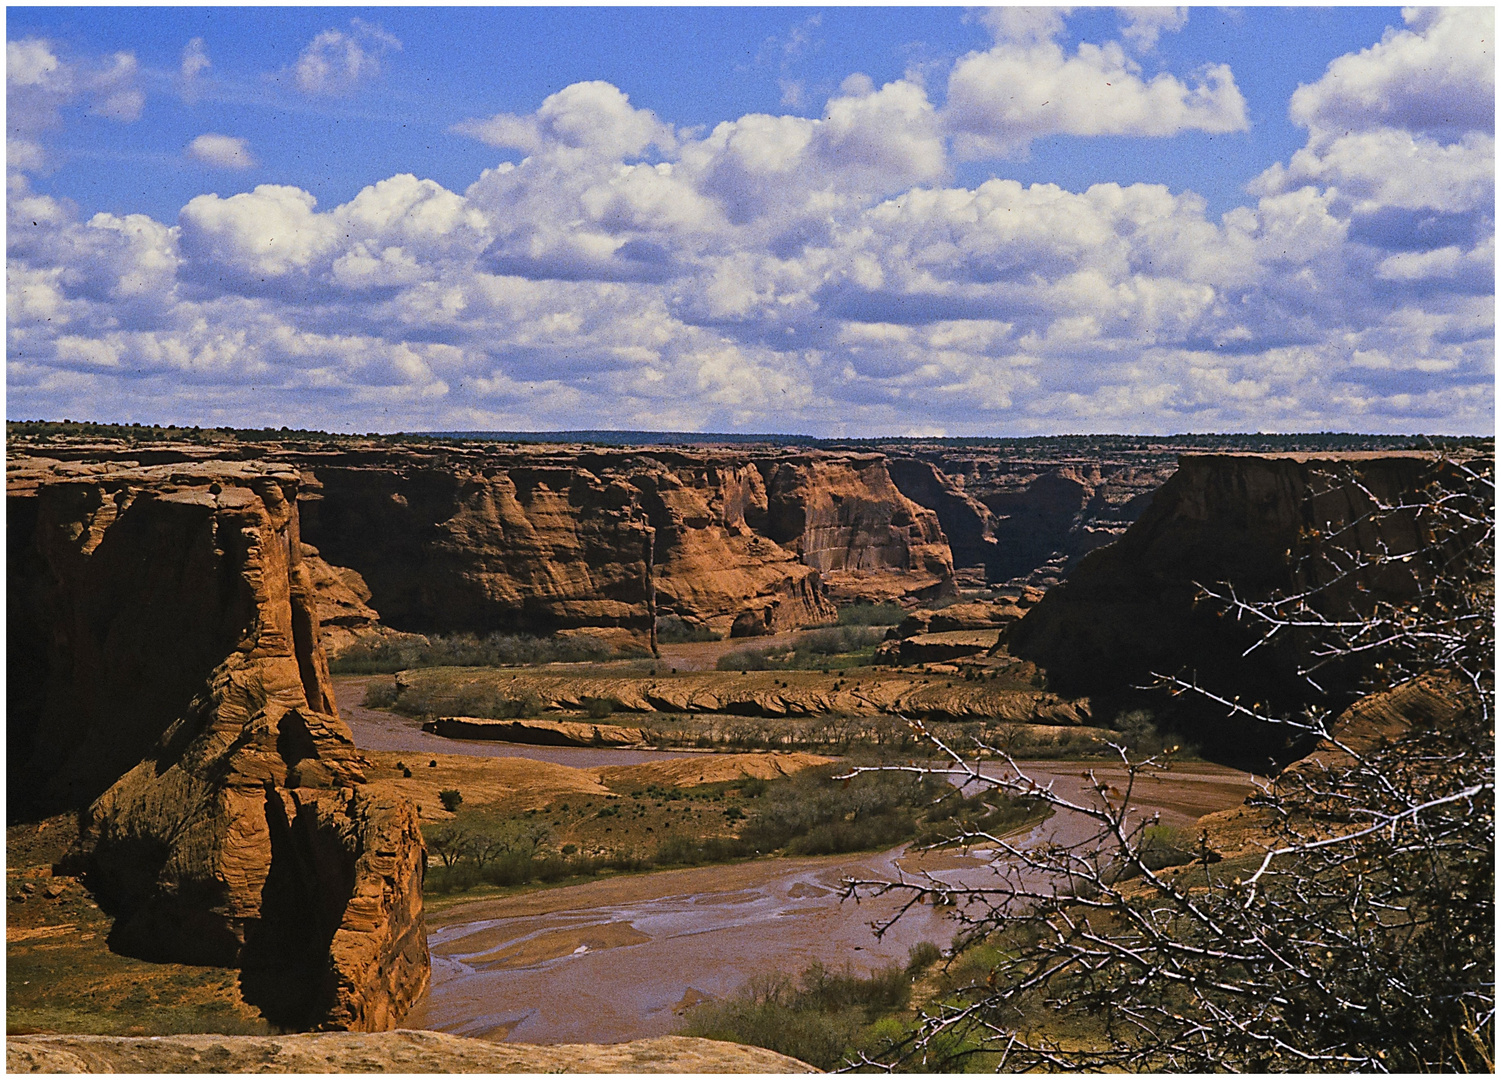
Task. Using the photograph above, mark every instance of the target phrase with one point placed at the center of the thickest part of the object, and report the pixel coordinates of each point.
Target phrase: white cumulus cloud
(1438, 76)
(337, 61)
(221, 151)
(825, 274)
(1028, 86)
(1142, 26)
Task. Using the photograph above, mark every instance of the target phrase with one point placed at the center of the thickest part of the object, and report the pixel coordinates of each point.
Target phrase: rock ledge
(391, 1051)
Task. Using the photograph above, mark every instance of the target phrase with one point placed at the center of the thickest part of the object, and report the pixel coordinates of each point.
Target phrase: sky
(827, 221)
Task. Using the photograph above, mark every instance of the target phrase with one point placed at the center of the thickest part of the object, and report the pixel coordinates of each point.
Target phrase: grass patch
(864, 613)
(826, 648)
(652, 826)
(61, 976)
(386, 656)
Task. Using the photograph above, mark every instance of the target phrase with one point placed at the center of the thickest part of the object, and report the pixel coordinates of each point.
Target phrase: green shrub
(821, 1019)
(922, 956)
(747, 660)
(450, 798)
(864, 613)
(469, 650)
(600, 707)
(380, 694)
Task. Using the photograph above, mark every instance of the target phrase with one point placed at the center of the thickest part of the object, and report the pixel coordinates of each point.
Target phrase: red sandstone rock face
(181, 681)
(539, 540)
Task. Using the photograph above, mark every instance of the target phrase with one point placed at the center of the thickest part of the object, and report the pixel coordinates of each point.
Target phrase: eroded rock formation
(539, 540)
(1129, 610)
(175, 687)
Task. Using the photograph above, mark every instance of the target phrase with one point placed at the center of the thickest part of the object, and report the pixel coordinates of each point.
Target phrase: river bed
(379, 729)
(622, 958)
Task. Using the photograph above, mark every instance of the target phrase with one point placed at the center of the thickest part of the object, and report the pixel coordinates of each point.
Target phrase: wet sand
(622, 958)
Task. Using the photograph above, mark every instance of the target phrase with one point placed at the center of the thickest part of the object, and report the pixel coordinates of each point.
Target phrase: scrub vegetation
(641, 827)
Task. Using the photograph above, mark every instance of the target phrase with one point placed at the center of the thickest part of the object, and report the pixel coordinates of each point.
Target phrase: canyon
(172, 607)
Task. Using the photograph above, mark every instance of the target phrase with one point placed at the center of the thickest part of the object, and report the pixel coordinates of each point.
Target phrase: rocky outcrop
(389, 1052)
(1129, 610)
(535, 732)
(851, 522)
(341, 600)
(936, 648)
(1024, 514)
(183, 698)
(869, 693)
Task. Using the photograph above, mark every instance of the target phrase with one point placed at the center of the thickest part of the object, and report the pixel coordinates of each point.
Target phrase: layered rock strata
(1254, 523)
(178, 691)
(541, 540)
(1023, 517)
(771, 694)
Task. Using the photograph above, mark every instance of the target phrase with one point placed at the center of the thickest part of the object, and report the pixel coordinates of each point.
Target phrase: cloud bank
(822, 275)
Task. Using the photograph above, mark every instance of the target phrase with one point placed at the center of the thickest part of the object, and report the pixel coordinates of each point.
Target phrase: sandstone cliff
(483, 538)
(1025, 516)
(176, 688)
(1129, 609)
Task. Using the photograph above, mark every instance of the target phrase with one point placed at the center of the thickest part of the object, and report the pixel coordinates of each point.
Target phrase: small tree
(1361, 936)
(451, 799)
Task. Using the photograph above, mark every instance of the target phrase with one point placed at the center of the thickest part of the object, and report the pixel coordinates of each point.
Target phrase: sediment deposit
(858, 693)
(175, 690)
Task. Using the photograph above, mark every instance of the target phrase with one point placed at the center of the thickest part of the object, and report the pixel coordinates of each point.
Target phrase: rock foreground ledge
(386, 1052)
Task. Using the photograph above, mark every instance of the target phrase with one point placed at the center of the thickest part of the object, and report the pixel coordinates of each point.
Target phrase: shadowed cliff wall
(1254, 521)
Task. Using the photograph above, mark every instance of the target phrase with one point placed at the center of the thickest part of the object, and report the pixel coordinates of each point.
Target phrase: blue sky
(823, 220)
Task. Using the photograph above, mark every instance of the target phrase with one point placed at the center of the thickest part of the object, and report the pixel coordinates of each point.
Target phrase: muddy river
(623, 957)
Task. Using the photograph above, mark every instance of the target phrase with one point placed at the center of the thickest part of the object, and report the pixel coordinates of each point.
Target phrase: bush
(599, 707)
(922, 956)
(864, 613)
(387, 655)
(822, 1018)
(450, 798)
(1361, 936)
(434, 699)
(811, 651)
(672, 630)
(833, 640)
(380, 694)
(747, 660)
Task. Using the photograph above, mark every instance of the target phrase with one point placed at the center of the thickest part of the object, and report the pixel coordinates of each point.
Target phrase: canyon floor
(63, 977)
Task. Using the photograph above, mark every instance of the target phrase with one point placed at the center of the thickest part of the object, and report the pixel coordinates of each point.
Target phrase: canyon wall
(173, 688)
(1024, 518)
(1254, 521)
(541, 539)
